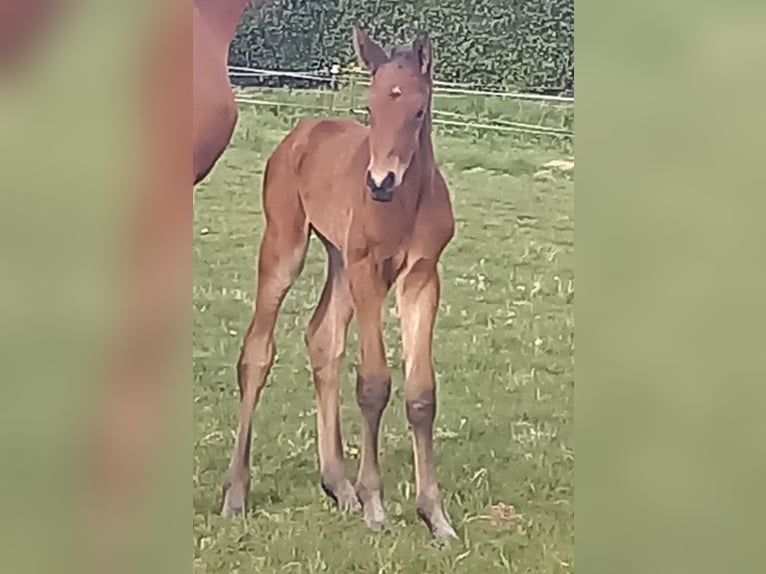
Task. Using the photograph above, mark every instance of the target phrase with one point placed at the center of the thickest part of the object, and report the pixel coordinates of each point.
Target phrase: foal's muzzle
(383, 191)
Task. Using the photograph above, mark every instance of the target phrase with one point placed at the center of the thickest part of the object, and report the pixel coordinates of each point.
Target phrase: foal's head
(399, 103)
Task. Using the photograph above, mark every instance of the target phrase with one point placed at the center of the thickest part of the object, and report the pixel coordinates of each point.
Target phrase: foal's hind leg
(281, 257)
(326, 342)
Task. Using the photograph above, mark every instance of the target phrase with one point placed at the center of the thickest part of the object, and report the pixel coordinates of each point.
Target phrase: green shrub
(511, 44)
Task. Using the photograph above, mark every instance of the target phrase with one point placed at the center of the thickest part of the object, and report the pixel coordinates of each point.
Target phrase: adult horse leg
(418, 300)
(373, 386)
(281, 257)
(326, 342)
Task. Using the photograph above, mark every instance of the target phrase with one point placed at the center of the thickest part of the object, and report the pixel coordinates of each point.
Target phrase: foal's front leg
(373, 386)
(418, 300)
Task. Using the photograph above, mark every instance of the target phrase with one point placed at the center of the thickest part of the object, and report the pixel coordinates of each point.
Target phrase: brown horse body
(215, 111)
(379, 204)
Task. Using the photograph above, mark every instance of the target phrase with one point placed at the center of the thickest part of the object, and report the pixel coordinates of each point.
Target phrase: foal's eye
(419, 114)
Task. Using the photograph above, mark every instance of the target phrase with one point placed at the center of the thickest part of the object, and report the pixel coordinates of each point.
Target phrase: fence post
(334, 69)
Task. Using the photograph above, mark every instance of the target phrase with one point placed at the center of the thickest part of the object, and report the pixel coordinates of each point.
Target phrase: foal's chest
(385, 255)
(381, 236)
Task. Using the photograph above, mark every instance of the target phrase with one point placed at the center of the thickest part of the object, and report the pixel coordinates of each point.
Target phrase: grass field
(504, 349)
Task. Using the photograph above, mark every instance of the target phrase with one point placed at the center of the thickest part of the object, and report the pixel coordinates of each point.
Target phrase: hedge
(513, 44)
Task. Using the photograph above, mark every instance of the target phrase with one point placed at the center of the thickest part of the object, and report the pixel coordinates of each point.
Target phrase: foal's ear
(424, 52)
(371, 56)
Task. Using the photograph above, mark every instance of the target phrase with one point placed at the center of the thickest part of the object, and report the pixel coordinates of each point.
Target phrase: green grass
(504, 347)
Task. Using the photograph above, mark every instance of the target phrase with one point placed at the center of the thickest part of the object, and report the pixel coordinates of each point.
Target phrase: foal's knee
(421, 411)
(372, 393)
(323, 347)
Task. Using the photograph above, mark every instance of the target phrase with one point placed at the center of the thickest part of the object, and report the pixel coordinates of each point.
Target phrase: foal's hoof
(234, 501)
(376, 524)
(347, 499)
(344, 496)
(443, 533)
(230, 510)
(374, 515)
(439, 527)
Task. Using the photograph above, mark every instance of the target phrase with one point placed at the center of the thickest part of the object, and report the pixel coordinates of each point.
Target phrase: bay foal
(377, 201)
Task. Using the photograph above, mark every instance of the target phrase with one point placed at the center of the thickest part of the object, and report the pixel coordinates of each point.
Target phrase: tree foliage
(527, 44)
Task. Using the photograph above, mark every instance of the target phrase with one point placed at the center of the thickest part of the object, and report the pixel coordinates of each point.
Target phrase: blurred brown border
(131, 430)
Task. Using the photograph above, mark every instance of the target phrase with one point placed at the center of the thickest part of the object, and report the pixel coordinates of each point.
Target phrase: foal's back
(322, 162)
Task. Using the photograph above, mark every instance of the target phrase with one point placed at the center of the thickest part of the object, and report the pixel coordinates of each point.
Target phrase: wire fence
(440, 86)
(346, 83)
